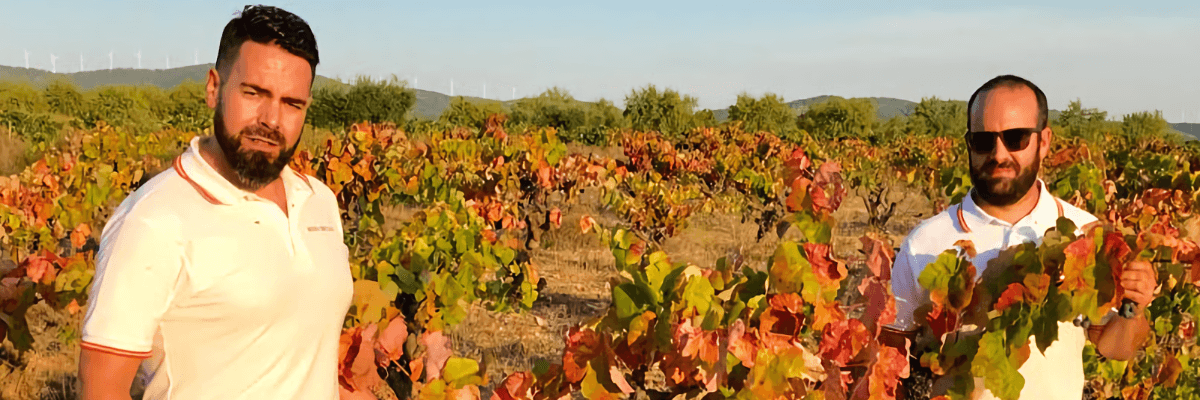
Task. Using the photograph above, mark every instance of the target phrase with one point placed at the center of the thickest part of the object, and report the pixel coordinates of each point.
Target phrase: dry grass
(13, 153)
(48, 371)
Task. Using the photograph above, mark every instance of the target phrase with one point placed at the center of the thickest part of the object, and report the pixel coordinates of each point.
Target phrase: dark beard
(993, 191)
(254, 169)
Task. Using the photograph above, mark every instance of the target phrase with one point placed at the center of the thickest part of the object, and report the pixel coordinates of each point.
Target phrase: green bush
(576, 121)
(39, 130)
(337, 107)
(464, 112)
(667, 111)
(186, 108)
(769, 113)
(934, 117)
(21, 96)
(838, 118)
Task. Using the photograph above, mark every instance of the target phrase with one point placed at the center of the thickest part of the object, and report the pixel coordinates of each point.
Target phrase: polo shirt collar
(217, 190)
(1045, 212)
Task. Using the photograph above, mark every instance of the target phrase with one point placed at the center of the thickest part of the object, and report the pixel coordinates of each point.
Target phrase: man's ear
(212, 90)
(1047, 135)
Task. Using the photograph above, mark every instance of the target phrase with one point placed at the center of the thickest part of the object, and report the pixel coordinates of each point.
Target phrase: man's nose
(268, 114)
(999, 151)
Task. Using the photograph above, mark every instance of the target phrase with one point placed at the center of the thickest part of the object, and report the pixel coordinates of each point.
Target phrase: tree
(553, 108)
(576, 121)
(1144, 127)
(64, 98)
(838, 118)
(934, 117)
(769, 113)
(1077, 121)
(463, 112)
(21, 96)
(124, 106)
(187, 109)
(667, 111)
(336, 107)
(379, 101)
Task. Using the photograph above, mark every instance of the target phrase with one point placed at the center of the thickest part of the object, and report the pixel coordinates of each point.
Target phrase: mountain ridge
(429, 104)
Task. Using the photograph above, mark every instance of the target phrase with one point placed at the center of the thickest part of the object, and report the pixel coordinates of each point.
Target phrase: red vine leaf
(742, 344)
(586, 223)
(581, 347)
(842, 340)
(879, 256)
(390, 345)
(80, 235)
(515, 387)
(437, 351)
(827, 190)
(357, 372)
(1169, 374)
(829, 271)
(1015, 293)
(555, 217)
(880, 304)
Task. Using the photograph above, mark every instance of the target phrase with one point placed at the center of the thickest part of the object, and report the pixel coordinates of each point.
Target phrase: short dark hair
(266, 25)
(1012, 81)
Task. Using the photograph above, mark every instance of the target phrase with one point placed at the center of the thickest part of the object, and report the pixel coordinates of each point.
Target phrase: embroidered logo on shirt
(320, 228)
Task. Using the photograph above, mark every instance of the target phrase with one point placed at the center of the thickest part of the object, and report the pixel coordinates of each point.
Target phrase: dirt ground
(577, 269)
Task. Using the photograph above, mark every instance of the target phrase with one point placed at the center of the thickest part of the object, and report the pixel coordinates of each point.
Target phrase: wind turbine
(53, 67)
(168, 61)
(110, 60)
(514, 95)
(416, 82)
(196, 57)
(485, 90)
(81, 62)
(26, 58)
(139, 57)
(451, 86)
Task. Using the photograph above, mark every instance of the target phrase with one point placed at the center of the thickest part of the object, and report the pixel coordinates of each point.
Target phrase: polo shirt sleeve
(908, 292)
(137, 269)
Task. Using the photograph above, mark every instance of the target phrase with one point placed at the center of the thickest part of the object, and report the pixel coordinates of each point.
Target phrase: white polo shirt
(224, 295)
(1058, 374)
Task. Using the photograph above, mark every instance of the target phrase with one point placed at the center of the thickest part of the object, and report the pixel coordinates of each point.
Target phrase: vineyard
(481, 203)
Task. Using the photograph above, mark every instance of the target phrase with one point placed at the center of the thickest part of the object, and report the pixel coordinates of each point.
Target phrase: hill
(429, 104)
(886, 107)
(163, 78)
(1191, 130)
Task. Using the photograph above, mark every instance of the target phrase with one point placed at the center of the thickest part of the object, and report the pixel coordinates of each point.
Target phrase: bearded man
(226, 277)
(1007, 138)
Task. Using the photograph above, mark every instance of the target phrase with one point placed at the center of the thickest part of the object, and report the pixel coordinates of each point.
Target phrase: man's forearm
(1122, 337)
(104, 376)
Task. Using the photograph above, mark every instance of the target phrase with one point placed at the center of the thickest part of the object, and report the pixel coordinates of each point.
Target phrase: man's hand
(1121, 337)
(1139, 280)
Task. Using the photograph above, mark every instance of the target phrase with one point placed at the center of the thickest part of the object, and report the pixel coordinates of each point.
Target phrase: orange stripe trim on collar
(962, 222)
(115, 351)
(183, 174)
(303, 178)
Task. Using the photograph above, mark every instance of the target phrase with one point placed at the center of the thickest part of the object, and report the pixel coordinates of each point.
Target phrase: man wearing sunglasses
(1007, 138)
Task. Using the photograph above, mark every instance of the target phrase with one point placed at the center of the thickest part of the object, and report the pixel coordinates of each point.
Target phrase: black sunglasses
(1016, 139)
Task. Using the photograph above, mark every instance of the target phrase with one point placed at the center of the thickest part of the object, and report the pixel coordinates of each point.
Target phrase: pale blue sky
(1118, 56)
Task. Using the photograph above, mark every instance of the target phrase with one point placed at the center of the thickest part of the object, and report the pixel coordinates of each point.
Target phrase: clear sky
(1115, 55)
